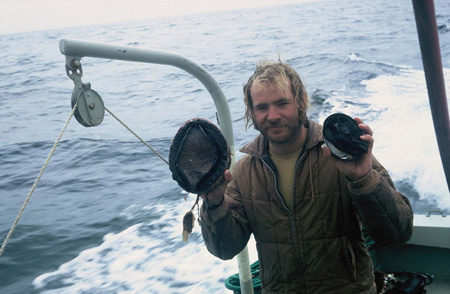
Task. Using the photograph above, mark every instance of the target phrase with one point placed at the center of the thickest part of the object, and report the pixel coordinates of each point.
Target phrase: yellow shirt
(285, 164)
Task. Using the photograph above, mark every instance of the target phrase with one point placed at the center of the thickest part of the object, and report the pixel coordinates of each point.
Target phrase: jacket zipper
(299, 266)
(291, 219)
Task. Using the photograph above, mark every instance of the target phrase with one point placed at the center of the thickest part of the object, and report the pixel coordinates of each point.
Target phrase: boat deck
(439, 286)
(420, 259)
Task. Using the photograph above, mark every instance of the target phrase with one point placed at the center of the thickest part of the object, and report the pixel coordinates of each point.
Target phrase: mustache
(273, 124)
(269, 124)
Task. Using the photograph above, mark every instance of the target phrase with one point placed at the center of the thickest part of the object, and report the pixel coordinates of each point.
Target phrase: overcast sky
(31, 15)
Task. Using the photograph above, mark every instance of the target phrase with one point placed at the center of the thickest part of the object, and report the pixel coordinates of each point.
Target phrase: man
(304, 207)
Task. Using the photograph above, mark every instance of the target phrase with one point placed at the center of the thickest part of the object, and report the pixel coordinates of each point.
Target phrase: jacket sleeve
(225, 229)
(386, 213)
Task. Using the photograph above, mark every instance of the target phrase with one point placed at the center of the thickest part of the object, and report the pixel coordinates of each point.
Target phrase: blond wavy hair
(275, 75)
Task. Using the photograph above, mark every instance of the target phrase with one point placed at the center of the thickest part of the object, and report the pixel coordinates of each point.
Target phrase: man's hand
(216, 196)
(356, 169)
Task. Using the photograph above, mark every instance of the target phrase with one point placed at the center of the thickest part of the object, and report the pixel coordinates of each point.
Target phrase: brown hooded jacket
(317, 247)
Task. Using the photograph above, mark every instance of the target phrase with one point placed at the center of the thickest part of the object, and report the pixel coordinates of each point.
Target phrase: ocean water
(106, 215)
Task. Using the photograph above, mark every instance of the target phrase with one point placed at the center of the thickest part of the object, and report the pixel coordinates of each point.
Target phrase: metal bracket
(90, 108)
(437, 211)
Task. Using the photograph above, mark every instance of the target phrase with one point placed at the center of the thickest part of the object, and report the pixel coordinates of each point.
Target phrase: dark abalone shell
(199, 155)
(342, 134)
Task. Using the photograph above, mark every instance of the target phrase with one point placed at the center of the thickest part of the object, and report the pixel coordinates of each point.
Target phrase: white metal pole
(75, 49)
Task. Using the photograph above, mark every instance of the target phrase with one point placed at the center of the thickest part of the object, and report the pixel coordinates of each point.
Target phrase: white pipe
(74, 49)
(245, 275)
(77, 49)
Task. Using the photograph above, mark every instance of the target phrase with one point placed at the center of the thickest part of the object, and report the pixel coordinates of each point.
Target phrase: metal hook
(74, 69)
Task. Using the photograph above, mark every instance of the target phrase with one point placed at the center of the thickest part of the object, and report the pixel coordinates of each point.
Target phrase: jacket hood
(260, 145)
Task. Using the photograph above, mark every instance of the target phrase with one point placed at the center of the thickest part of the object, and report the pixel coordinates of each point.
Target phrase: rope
(13, 227)
(149, 147)
(140, 139)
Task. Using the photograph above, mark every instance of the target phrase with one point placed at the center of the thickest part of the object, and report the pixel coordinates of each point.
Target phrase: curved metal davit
(74, 50)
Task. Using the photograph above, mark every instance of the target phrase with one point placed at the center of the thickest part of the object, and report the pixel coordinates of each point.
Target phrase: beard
(282, 131)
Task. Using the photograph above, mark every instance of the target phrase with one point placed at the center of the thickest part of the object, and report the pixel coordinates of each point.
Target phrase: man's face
(275, 113)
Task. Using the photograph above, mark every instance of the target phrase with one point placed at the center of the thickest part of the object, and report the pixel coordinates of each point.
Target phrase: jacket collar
(260, 145)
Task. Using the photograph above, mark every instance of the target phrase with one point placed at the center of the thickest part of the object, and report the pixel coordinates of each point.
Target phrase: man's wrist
(212, 206)
(358, 179)
(367, 184)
